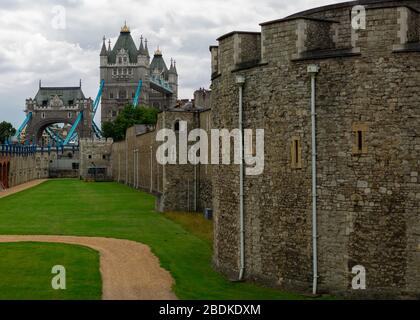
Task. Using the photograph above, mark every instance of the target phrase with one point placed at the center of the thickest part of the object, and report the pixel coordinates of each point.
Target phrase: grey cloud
(184, 29)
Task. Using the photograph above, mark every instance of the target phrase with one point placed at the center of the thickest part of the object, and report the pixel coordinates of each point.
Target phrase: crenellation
(215, 68)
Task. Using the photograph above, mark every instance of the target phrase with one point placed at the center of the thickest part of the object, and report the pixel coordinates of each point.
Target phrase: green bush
(127, 118)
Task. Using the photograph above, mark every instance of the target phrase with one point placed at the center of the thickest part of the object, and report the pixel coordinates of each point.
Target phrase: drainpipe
(313, 71)
(240, 81)
(195, 187)
(151, 169)
(134, 169)
(126, 161)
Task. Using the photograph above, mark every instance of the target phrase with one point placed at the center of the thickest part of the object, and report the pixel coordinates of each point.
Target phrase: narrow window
(360, 140)
(111, 95)
(359, 143)
(296, 153)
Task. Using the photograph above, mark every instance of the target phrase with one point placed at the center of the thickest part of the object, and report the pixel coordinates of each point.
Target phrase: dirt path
(129, 269)
(21, 187)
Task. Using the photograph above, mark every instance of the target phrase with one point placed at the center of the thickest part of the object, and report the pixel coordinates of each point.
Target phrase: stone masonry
(16, 169)
(178, 187)
(368, 121)
(95, 159)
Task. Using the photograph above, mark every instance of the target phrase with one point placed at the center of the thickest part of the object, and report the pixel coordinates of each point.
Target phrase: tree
(127, 118)
(6, 131)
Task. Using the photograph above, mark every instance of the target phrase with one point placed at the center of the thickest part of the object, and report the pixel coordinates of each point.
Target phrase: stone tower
(124, 65)
(160, 73)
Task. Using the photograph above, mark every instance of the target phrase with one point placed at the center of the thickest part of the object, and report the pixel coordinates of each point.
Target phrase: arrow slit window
(296, 153)
(359, 138)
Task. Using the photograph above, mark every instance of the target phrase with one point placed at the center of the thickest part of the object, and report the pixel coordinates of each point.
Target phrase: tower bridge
(53, 105)
(127, 76)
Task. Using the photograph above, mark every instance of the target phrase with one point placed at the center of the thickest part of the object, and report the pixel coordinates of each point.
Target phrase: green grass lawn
(72, 207)
(25, 271)
(194, 223)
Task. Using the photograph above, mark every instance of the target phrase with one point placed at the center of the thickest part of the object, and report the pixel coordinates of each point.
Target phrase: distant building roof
(125, 41)
(66, 94)
(158, 63)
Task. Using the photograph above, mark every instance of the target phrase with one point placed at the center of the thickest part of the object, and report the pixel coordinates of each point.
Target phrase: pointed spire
(146, 49)
(175, 67)
(158, 52)
(103, 51)
(171, 68)
(109, 45)
(141, 48)
(125, 28)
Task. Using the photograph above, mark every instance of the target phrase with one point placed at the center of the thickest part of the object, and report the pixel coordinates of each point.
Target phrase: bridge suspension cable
(23, 126)
(73, 134)
(137, 96)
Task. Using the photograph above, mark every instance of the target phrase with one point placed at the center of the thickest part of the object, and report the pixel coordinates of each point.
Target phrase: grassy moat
(182, 242)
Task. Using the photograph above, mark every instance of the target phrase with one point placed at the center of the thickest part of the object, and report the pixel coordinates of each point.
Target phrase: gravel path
(21, 187)
(129, 269)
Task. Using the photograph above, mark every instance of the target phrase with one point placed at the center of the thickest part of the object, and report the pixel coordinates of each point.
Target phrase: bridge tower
(123, 66)
(53, 105)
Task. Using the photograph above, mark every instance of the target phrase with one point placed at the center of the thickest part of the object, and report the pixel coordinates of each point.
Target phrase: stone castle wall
(368, 198)
(16, 169)
(178, 187)
(95, 159)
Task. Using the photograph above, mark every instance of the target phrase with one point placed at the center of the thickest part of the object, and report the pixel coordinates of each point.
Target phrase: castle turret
(141, 47)
(104, 54)
(143, 58)
(158, 66)
(147, 50)
(173, 77)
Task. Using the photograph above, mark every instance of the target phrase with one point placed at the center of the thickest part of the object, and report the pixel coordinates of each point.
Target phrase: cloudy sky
(59, 41)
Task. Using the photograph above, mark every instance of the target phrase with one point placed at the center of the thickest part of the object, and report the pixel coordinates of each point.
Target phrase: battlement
(331, 32)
